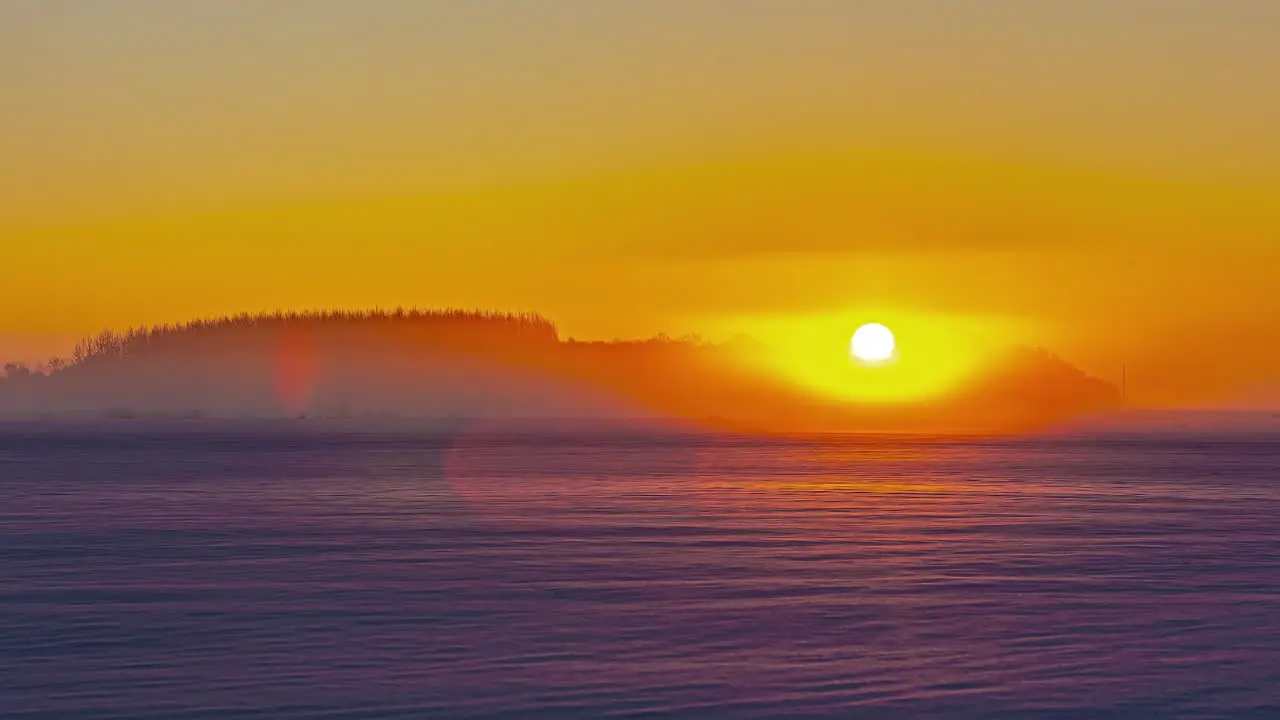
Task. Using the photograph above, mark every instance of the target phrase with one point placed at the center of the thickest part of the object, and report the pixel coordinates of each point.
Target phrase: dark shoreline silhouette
(442, 364)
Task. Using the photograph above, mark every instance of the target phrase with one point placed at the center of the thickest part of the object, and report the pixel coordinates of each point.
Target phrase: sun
(873, 343)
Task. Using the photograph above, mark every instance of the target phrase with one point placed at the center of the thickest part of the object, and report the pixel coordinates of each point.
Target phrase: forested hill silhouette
(415, 363)
(435, 328)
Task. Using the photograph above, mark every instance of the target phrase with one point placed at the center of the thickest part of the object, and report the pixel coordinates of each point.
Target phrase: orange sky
(1098, 176)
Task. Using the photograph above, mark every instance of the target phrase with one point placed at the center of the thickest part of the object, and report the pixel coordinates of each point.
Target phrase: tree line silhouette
(424, 359)
(441, 325)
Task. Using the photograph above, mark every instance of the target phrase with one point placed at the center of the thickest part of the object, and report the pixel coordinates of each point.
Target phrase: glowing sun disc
(873, 342)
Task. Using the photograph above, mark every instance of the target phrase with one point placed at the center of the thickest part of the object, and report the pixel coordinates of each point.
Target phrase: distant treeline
(453, 362)
(447, 327)
(437, 325)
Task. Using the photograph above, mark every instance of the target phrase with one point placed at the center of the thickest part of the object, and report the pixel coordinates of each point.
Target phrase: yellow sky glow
(1101, 177)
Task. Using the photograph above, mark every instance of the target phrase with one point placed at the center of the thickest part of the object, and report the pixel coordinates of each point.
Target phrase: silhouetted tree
(16, 371)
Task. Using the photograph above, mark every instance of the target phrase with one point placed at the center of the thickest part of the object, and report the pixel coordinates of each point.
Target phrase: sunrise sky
(1101, 177)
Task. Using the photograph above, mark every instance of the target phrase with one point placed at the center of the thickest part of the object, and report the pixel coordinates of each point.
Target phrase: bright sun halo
(873, 342)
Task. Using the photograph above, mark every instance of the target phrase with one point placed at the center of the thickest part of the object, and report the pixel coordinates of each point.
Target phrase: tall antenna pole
(1124, 382)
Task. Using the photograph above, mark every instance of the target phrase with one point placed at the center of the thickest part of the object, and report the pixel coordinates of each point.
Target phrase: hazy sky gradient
(1104, 172)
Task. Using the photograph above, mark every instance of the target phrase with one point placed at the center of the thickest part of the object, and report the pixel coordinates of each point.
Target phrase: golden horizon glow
(936, 355)
(645, 167)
